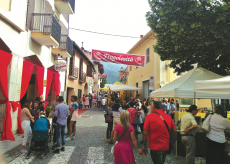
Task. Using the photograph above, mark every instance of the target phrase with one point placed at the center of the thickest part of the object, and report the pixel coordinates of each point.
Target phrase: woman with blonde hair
(123, 150)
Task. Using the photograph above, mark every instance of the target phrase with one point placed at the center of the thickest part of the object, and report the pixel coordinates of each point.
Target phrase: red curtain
(15, 105)
(4, 62)
(26, 76)
(50, 75)
(7, 125)
(40, 79)
(57, 83)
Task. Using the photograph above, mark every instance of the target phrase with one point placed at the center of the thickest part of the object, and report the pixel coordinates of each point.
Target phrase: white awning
(215, 86)
(183, 87)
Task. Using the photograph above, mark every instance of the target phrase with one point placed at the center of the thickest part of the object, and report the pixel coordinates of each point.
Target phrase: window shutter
(89, 71)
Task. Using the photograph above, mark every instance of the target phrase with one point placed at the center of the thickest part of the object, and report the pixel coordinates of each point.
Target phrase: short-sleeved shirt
(99, 98)
(158, 137)
(164, 107)
(75, 105)
(132, 113)
(103, 101)
(187, 121)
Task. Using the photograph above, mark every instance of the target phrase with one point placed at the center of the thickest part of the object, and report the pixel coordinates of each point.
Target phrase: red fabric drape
(50, 75)
(17, 105)
(26, 76)
(4, 62)
(40, 79)
(57, 83)
(7, 125)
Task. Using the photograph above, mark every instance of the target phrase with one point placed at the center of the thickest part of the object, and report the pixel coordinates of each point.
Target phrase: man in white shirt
(172, 110)
(99, 101)
(164, 106)
(188, 133)
(168, 107)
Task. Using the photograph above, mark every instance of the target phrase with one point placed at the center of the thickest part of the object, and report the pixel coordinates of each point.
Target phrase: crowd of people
(152, 119)
(149, 117)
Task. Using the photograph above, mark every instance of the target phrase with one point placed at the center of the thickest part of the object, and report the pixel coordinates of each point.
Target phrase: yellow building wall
(152, 68)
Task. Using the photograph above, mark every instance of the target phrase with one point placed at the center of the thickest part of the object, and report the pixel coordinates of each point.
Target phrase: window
(130, 68)
(137, 91)
(147, 55)
(79, 93)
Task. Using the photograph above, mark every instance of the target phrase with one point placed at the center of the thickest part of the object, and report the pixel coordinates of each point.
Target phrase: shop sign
(60, 66)
(151, 83)
(103, 76)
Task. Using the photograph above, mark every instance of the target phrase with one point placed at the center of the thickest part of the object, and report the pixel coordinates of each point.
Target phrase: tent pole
(176, 121)
(194, 100)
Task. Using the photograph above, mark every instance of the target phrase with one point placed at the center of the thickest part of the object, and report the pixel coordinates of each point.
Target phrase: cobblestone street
(90, 146)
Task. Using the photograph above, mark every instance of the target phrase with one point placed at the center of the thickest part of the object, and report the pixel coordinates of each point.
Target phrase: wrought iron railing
(72, 4)
(46, 24)
(66, 44)
(82, 76)
(73, 71)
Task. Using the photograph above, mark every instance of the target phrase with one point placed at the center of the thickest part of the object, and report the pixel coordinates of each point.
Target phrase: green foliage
(191, 32)
(104, 81)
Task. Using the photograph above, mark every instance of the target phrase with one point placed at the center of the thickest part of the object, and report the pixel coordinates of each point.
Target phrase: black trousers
(135, 131)
(55, 133)
(141, 126)
(90, 103)
(215, 152)
(158, 157)
(109, 130)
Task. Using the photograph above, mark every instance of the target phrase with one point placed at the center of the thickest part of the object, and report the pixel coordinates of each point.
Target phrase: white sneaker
(24, 151)
(68, 139)
(73, 138)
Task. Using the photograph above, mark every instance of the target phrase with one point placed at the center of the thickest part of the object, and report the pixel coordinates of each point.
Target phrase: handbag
(121, 136)
(108, 118)
(170, 143)
(206, 127)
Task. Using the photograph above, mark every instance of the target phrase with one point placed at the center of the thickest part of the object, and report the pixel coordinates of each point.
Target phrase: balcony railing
(66, 44)
(71, 2)
(82, 77)
(73, 71)
(46, 24)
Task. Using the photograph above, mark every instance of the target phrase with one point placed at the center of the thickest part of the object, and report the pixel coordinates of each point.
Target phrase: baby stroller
(39, 141)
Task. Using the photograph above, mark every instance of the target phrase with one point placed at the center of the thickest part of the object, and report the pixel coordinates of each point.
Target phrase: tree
(104, 81)
(192, 32)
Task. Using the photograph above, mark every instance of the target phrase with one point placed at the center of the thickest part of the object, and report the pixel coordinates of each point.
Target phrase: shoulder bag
(113, 147)
(170, 143)
(206, 127)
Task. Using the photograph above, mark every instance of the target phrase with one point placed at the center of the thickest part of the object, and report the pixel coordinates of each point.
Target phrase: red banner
(103, 76)
(118, 58)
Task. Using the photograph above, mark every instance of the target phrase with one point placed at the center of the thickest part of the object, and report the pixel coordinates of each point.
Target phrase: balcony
(65, 6)
(82, 77)
(73, 72)
(45, 29)
(65, 48)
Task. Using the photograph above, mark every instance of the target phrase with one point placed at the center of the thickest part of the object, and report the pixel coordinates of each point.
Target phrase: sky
(117, 17)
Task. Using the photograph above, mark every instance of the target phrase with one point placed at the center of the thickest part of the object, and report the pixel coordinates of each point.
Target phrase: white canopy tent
(183, 87)
(214, 87)
(123, 88)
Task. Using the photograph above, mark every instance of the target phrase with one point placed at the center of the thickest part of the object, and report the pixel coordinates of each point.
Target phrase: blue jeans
(60, 132)
(103, 107)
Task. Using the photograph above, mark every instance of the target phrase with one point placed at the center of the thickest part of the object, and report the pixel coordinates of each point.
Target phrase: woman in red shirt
(133, 113)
